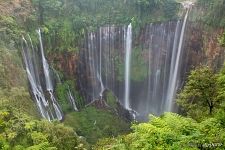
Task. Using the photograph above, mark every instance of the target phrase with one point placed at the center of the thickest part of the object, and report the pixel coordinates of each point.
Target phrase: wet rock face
(203, 46)
(65, 62)
(213, 51)
(194, 45)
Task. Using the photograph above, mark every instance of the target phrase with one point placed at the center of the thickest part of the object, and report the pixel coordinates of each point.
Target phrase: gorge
(121, 75)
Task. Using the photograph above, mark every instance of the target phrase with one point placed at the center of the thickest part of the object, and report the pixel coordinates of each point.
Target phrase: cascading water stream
(49, 86)
(127, 66)
(35, 85)
(72, 100)
(106, 64)
(175, 63)
(100, 65)
(48, 81)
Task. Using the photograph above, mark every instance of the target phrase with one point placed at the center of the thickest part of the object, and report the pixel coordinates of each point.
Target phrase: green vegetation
(18, 98)
(95, 123)
(201, 100)
(170, 131)
(198, 97)
(213, 12)
(111, 100)
(62, 91)
(203, 93)
(19, 132)
(13, 85)
(10, 32)
(10, 62)
(64, 32)
(221, 40)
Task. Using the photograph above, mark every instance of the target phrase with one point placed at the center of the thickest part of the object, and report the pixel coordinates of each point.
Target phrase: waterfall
(100, 64)
(106, 64)
(49, 109)
(72, 100)
(127, 66)
(33, 80)
(45, 64)
(97, 70)
(48, 81)
(174, 71)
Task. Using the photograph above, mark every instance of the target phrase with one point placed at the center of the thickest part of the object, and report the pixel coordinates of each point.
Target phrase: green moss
(62, 90)
(94, 124)
(111, 100)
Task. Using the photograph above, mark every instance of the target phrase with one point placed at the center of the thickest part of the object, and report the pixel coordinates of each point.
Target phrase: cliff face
(65, 62)
(213, 51)
(200, 46)
(203, 46)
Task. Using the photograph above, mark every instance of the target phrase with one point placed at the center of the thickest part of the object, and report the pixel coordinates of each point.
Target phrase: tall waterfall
(176, 57)
(97, 70)
(34, 81)
(144, 73)
(159, 46)
(48, 80)
(47, 105)
(100, 65)
(148, 82)
(127, 66)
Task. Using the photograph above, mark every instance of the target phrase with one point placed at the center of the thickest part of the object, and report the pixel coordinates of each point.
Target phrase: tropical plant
(198, 98)
(170, 131)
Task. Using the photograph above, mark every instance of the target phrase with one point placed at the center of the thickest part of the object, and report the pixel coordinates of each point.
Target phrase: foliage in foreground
(19, 132)
(203, 93)
(170, 131)
(199, 96)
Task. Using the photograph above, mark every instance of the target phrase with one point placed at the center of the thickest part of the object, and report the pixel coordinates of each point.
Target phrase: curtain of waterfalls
(47, 105)
(106, 64)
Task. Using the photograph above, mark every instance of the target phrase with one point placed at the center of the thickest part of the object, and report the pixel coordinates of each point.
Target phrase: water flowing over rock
(127, 66)
(174, 70)
(47, 105)
(98, 65)
(108, 61)
(72, 100)
(48, 81)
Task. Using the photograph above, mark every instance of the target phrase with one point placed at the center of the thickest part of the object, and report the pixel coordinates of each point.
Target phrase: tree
(199, 94)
